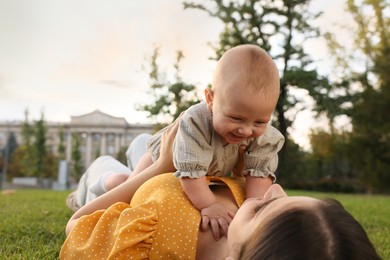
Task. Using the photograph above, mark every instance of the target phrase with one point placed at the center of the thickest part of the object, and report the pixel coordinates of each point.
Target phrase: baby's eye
(259, 123)
(235, 118)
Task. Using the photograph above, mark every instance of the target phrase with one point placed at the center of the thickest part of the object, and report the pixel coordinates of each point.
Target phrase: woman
(160, 222)
(277, 227)
(285, 227)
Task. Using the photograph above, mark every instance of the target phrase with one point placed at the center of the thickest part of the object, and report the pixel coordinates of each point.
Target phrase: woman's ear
(209, 96)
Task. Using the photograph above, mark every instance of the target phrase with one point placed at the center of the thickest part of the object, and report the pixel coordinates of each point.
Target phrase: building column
(88, 150)
(69, 146)
(103, 144)
(117, 143)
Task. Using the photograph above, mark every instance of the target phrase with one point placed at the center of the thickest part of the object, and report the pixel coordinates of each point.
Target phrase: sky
(70, 57)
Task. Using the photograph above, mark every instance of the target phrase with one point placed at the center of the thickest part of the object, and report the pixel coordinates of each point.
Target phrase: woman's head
(299, 228)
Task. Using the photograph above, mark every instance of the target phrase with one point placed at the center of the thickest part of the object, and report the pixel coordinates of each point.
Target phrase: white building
(100, 134)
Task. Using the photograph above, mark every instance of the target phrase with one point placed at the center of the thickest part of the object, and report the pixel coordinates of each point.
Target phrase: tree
(27, 131)
(169, 99)
(121, 155)
(279, 27)
(16, 167)
(6, 156)
(61, 149)
(11, 144)
(40, 149)
(77, 167)
(369, 86)
(27, 160)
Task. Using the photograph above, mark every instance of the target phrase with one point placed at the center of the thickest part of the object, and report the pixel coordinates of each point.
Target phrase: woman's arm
(125, 191)
(122, 193)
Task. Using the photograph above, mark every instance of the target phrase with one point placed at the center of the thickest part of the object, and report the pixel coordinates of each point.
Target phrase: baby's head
(247, 66)
(244, 93)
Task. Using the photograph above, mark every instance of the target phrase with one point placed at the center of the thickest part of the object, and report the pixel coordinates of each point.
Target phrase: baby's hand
(219, 217)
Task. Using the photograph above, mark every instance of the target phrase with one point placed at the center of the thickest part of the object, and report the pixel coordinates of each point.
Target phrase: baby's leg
(103, 169)
(115, 179)
(115, 173)
(92, 182)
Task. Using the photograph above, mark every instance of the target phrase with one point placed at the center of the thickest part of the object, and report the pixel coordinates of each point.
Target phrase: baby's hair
(251, 62)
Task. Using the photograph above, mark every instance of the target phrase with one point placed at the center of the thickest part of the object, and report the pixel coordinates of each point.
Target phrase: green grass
(32, 222)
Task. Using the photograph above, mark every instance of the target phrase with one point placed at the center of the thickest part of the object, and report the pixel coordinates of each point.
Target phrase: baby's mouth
(237, 138)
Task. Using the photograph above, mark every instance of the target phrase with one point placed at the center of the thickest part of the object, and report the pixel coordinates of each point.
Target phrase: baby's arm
(202, 198)
(261, 162)
(257, 186)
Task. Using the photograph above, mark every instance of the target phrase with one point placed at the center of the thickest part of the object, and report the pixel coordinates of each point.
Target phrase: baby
(235, 115)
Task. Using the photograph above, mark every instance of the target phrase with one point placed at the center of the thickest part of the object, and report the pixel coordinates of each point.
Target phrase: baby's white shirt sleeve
(192, 148)
(261, 157)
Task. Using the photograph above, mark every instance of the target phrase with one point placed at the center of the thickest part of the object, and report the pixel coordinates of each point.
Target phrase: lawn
(32, 224)
(32, 221)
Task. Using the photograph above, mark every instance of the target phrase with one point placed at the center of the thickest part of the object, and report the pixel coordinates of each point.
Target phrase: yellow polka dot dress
(159, 223)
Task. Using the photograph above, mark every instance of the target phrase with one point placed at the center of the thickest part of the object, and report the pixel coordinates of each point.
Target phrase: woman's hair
(323, 231)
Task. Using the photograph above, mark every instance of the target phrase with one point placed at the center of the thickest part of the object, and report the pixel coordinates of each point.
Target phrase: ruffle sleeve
(120, 232)
(193, 151)
(261, 158)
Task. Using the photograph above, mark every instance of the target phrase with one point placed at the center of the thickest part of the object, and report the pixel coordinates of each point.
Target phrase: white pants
(106, 165)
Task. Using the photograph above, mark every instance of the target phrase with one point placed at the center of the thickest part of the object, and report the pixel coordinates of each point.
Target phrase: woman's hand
(219, 218)
(125, 191)
(165, 160)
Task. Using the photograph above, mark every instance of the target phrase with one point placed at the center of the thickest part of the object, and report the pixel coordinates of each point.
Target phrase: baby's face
(245, 92)
(240, 113)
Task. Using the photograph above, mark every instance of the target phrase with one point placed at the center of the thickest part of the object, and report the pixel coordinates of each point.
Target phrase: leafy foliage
(77, 165)
(369, 87)
(281, 28)
(61, 146)
(169, 99)
(28, 154)
(32, 158)
(39, 149)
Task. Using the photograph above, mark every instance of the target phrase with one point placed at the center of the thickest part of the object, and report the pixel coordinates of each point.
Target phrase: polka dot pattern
(159, 223)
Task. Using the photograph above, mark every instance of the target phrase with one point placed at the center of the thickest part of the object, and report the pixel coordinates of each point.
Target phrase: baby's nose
(245, 131)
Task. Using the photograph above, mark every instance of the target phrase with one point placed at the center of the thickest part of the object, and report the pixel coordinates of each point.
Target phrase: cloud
(115, 83)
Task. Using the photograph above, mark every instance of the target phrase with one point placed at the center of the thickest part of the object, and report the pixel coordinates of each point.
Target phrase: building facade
(100, 134)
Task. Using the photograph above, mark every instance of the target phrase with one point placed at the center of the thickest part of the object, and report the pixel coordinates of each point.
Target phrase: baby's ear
(209, 96)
